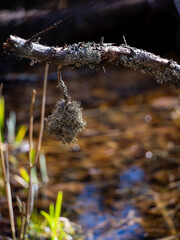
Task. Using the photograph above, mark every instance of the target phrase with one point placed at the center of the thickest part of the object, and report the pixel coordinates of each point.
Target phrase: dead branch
(92, 54)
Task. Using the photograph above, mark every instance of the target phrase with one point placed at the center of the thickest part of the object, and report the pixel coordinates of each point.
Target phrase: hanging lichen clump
(66, 120)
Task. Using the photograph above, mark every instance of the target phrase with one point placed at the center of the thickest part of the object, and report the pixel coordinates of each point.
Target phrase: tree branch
(92, 54)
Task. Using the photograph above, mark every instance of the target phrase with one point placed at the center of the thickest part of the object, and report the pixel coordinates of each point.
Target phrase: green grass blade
(58, 205)
(24, 174)
(21, 134)
(34, 176)
(43, 167)
(2, 108)
(47, 217)
(32, 155)
(51, 210)
(2, 114)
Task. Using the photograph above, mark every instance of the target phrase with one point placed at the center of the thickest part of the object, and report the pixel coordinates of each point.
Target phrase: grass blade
(58, 205)
(47, 216)
(2, 113)
(21, 134)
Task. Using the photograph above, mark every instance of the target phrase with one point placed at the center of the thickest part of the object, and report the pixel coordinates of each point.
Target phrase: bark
(92, 54)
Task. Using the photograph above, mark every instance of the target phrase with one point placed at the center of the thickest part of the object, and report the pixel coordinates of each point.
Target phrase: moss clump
(66, 121)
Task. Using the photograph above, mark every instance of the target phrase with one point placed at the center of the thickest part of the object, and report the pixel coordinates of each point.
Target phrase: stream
(128, 152)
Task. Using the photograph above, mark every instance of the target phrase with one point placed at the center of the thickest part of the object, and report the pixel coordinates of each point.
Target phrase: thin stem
(42, 114)
(30, 186)
(31, 165)
(62, 85)
(31, 124)
(23, 212)
(1, 88)
(34, 37)
(165, 214)
(5, 168)
(6, 177)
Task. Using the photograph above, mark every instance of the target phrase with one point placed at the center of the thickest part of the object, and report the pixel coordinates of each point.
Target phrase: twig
(102, 41)
(124, 39)
(42, 114)
(31, 124)
(1, 88)
(91, 54)
(62, 86)
(165, 214)
(30, 187)
(22, 210)
(170, 237)
(31, 165)
(23, 219)
(37, 35)
(5, 168)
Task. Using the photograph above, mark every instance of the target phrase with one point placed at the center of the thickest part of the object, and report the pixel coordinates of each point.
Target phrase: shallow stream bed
(125, 164)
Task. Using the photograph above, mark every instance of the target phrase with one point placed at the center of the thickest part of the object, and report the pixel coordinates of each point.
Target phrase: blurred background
(130, 147)
(147, 24)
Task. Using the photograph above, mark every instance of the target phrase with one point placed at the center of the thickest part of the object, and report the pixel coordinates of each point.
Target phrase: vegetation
(59, 227)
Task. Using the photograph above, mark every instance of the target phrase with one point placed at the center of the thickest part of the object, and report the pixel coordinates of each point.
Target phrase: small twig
(31, 124)
(124, 39)
(165, 214)
(31, 165)
(1, 88)
(37, 35)
(30, 186)
(101, 41)
(22, 210)
(42, 114)
(170, 237)
(104, 70)
(62, 86)
(6, 177)
(23, 221)
(5, 168)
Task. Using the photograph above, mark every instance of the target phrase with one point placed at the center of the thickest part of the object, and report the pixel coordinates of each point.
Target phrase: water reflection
(131, 177)
(101, 222)
(131, 232)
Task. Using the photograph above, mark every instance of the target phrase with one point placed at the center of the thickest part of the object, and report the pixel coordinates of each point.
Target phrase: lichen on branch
(92, 54)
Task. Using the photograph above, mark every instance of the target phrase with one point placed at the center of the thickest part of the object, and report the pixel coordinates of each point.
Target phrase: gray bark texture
(92, 54)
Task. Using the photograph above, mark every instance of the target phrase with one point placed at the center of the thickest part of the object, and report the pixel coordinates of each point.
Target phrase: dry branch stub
(91, 54)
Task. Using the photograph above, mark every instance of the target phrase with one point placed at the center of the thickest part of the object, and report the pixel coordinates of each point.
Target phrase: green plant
(2, 111)
(5, 167)
(52, 217)
(13, 138)
(60, 227)
(15, 141)
(37, 227)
